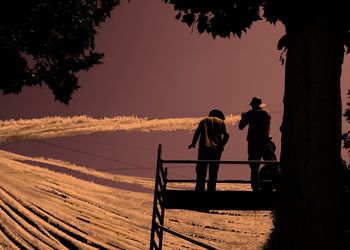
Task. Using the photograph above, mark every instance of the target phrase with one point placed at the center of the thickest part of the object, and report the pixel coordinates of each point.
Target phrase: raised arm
(243, 122)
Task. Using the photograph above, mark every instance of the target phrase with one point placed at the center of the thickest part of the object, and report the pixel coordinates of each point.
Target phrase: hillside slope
(42, 209)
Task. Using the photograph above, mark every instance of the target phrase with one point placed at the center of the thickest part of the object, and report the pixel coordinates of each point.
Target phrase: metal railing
(161, 181)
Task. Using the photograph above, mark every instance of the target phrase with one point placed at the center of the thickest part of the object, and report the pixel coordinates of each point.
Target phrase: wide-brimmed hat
(257, 102)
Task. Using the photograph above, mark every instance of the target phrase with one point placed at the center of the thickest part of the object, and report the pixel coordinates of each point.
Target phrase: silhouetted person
(260, 143)
(213, 135)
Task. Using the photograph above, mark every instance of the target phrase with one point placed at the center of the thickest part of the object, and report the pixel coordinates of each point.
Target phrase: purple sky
(155, 67)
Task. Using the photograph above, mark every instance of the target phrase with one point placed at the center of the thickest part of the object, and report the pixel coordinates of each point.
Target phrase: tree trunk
(309, 213)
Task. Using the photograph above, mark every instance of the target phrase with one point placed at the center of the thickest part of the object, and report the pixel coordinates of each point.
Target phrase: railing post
(162, 186)
(156, 214)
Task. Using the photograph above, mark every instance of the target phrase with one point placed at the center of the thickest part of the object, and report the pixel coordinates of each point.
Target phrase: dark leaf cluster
(225, 17)
(49, 42)
(218, 17)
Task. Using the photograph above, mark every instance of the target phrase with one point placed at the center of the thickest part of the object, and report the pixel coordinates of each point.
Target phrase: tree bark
(308, 216)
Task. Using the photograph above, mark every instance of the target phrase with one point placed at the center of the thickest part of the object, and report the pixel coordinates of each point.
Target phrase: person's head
(217, 113)
(256, 102)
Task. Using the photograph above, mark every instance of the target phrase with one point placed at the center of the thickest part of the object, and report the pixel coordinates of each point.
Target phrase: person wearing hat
(260, 144)
(213, 135)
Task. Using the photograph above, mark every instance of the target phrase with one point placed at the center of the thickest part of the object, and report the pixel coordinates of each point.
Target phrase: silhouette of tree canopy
(49, 42)
(225, 17)
(309, 215)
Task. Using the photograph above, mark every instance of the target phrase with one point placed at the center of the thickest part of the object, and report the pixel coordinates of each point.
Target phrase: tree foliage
(233, 17)
(49, 42)
(220, 18)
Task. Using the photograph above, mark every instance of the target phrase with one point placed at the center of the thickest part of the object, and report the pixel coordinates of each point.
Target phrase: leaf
(188, 19)
(178, 16)
(283, 42)
(202, 23)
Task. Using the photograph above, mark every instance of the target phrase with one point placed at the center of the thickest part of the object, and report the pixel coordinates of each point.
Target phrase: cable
(112, 145)
(137, 166)
(92, 154)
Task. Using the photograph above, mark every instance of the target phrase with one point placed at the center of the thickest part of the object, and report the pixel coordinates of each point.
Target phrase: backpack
(269, 176)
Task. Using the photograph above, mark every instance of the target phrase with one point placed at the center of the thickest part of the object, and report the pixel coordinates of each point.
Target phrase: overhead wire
(94, 155)
(135, 166)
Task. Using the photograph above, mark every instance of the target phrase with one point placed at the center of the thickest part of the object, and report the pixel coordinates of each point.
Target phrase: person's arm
(243, 122)
(265, 123)
(225, 137)
(196, 136)
(224, 141)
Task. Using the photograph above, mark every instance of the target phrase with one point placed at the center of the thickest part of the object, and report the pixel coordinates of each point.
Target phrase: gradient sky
(156, 67)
